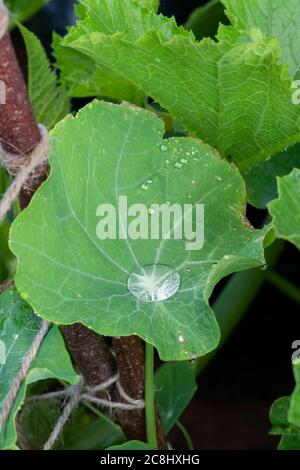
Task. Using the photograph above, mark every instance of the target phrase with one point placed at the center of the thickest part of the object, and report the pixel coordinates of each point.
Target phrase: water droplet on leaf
(154, 283)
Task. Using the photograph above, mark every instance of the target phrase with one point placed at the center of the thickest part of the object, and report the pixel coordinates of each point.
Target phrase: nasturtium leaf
(285, 210)
(274, 18)
(132, 445)
(229, 92)
(22, 10)
(261, 179)
(18, 327)
(70, 275)
(49, 100)
(175, 383)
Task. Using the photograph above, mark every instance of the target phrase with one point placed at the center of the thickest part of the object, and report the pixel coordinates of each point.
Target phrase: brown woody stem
(130, 355)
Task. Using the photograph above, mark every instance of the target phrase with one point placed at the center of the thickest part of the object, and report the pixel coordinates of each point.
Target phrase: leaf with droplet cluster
(70, 275)
(18, 327)
(229, 92)
(285, 210)
(274, 18)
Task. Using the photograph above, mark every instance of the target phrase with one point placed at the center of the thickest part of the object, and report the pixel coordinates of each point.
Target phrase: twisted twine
(23, 172)
(76, 394)
(12, 395)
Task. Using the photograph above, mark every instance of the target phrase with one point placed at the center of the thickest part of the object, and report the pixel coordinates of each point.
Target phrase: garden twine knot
(25, 169)
(4, 19)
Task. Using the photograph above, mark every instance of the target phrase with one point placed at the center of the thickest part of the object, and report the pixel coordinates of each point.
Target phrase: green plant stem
(285, 286)
(236, 297)
(185, 434)
(149, 397)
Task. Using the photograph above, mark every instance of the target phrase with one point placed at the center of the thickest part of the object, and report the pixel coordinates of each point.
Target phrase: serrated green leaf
(285, 210)
(261, 179)
(176, 385)
(69, 275)
(274, 18)
(22, 10)
(230, 92)
(83, 78)
(131, 445)
(18, 327)
(49, 100)
(81, 75)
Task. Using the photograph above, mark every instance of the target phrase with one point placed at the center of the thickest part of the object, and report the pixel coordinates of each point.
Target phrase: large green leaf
(18, 327)
(261, 179)
(230, 92)
(286, 209)
(49, 101)
(275, 18)
(176, 385)
(69, 275)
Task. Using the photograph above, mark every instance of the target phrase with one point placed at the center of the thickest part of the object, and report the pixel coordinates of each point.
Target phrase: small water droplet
(150, 211)
(154, 283)
(183, 161)
(149, 181)
(181, 339)
(226, 257)
(144, 187)
(178, 165)
(163, 147)
(189, 196)
(192, 359)
(218, 178)
(193, 182)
